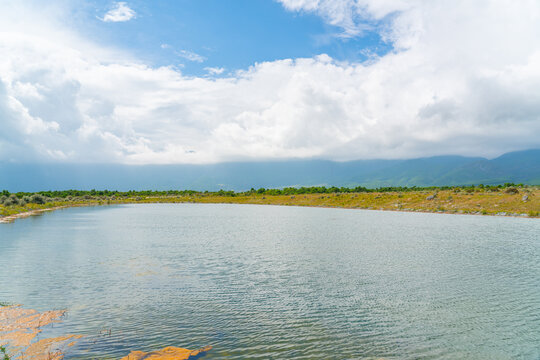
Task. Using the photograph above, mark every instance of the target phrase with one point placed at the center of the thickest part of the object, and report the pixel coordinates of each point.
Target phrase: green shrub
(511, 190)
(12, 200)
(38, 199)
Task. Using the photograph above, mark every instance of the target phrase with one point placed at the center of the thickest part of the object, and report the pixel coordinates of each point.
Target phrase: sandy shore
(10, 218)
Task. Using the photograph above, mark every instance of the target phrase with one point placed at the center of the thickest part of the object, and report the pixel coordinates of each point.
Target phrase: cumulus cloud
(456, 83)
(119, 13)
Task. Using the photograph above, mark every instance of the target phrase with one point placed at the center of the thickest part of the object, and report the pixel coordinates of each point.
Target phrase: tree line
(41, 197)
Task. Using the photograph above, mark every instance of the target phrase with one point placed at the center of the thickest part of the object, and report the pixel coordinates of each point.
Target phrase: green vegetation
(3, 353)
(43, 196)
(507, 199)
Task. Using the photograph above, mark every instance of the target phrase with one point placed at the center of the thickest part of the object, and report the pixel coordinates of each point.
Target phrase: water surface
(280, 282)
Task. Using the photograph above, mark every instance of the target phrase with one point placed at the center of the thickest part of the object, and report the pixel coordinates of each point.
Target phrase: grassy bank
(507, 200)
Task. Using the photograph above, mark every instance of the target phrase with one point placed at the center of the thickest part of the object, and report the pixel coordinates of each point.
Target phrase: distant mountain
(516, 167)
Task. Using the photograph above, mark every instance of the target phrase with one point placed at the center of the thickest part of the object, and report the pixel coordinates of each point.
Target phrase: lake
(275, 282)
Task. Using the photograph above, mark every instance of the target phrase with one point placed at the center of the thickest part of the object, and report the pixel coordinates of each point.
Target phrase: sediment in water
(19, 327)
(168, 353)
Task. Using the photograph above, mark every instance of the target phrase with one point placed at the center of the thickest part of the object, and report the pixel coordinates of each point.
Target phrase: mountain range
(516, 167)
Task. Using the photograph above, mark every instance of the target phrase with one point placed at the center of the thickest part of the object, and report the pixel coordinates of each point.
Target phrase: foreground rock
(169, 353)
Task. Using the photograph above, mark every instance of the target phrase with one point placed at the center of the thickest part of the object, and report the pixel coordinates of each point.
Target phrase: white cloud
(353, 16)
(119, 13)
(214, 70)
(190, 55)
(457, 83)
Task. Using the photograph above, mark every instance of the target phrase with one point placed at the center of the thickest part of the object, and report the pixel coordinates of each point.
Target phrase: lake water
(273, 282)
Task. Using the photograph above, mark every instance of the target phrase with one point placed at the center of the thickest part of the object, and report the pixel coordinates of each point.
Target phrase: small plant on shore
(3, 353)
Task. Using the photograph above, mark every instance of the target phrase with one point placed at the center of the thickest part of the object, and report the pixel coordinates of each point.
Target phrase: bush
(511, 190)
(12, 200)
(38, 199)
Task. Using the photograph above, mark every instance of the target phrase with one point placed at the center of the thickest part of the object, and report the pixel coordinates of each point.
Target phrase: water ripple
(280, 282)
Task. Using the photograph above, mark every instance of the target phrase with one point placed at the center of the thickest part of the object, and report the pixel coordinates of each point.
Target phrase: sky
(206, 81)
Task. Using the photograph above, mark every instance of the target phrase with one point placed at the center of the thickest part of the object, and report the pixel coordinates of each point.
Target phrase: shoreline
(11, 218)
(391, 202)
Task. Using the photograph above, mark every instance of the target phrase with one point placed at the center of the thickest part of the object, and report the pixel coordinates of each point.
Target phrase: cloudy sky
(202, 81)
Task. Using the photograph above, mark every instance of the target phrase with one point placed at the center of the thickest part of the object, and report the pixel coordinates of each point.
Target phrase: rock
(169, 353)
(525, 198)
(431, 197)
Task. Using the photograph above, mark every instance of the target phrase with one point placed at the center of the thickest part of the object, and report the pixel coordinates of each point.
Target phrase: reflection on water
(279, 282)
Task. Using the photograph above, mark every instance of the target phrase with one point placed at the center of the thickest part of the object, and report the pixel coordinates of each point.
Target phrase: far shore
(524, 202)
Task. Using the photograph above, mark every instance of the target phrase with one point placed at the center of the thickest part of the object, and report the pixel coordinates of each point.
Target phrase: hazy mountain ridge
(517, 167)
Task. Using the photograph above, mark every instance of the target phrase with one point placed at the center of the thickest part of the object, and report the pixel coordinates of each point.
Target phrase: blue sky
(206, 81)
(226, 34)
